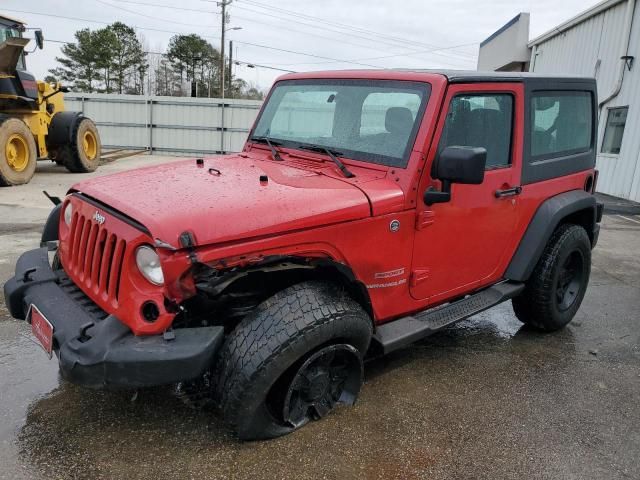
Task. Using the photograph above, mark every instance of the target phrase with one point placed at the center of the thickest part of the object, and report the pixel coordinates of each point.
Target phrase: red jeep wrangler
(367, 210)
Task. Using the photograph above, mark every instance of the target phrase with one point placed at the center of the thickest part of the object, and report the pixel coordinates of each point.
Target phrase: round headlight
(148, 263)
(68, 213)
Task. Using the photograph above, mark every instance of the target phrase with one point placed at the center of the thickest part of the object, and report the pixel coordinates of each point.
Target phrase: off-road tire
(17, 132)
(73, 155)
(278, 335)
(538, 306)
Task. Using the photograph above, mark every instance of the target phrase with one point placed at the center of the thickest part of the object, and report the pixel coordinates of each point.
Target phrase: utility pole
(223, 5)
(230, 65)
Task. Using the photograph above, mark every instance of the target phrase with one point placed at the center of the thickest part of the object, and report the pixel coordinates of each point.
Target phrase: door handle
(508, 192)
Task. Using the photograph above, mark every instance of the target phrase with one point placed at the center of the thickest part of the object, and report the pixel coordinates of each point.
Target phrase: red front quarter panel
(97, 251)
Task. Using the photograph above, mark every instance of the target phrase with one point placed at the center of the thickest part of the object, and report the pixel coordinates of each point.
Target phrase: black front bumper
(97, 350)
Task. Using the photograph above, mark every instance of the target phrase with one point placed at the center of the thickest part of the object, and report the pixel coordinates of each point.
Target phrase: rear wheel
(559, 281)
(18, 155)
(82, 154)
(292, 360)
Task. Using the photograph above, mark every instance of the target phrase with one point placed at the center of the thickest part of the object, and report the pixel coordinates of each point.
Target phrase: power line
(426, 51)
(237, 62)
(289, 29)
(248, 19)
(78, 19)
(380, 57)
(434, 49)
(288, 51)
(336, 60)
(306, 54)
(183, 33)
(172, 7)
(150, 16)
(354, 35)
(340, 25)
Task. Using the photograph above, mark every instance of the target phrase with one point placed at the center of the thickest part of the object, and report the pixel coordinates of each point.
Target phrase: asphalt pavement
(484, 399)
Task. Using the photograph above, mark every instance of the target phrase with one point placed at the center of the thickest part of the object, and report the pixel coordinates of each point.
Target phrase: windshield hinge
(425, 219)
(419, 276)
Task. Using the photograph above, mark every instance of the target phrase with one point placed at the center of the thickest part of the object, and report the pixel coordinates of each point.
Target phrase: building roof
(501, 29)
(581, 17)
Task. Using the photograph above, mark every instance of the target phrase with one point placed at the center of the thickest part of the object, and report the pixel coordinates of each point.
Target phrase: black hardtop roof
(468, 76)
(531, 81)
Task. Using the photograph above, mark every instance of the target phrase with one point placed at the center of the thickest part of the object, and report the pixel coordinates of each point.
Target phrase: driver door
(466, 243)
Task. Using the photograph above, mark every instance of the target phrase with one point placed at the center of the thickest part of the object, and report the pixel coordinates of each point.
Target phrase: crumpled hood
(172, 198)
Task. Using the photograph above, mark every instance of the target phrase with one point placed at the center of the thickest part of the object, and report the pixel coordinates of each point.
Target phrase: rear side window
(481, 120)
(561, 123)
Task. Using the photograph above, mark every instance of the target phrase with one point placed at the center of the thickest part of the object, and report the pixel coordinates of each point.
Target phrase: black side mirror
(39, 39)
(456, 165)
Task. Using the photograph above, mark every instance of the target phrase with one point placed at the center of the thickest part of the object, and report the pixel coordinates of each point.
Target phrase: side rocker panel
(544, 222)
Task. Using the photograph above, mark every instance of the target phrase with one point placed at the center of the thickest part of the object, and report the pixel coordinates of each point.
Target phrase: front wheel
(82, 154)
(18, 152)
(559, 281)
(292, 360)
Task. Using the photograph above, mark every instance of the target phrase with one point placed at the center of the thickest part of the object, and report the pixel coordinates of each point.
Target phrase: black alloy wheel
(570, 278)
(329, 377)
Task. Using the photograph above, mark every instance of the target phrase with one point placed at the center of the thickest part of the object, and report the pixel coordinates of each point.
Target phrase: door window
(481, 120)
(561, 123)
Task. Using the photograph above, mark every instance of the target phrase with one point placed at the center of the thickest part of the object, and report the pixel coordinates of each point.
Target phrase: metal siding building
(592, 44)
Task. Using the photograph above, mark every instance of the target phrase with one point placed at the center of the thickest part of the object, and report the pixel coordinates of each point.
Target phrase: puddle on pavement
(58, 427)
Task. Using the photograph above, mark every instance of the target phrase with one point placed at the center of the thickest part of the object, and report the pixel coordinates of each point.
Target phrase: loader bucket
(10, 51)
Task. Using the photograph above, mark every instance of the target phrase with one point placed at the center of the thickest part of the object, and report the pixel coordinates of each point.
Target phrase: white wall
(168, 125)
(507, 48)
(592, 48)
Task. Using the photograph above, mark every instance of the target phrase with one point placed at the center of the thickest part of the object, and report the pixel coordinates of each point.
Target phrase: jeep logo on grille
(99, 218)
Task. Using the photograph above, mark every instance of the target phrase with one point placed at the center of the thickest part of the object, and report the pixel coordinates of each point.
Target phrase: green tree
(253, 93)
(128, 62)
(109, 59)
(167, 80)
(105, 41)
(82, 62)
(195, 59)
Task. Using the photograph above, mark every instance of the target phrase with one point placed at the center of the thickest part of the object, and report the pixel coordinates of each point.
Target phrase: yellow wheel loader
(33, 122)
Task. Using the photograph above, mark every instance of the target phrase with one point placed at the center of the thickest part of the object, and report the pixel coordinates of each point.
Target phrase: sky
(316, 34)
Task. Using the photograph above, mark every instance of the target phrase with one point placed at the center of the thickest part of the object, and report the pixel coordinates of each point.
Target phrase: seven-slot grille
(94, 258)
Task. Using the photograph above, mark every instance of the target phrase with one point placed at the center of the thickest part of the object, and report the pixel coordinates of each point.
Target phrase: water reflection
(425, 389)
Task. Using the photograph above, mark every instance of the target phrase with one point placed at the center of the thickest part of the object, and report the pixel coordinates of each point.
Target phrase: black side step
(404, 331)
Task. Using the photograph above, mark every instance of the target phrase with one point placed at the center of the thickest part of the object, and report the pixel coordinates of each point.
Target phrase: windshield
(8, 32)
(370, 120)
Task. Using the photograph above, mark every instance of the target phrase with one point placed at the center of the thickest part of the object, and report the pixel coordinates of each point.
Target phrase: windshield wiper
(275, 153)
(333, 155)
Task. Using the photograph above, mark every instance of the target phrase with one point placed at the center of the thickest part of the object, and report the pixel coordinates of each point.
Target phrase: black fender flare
(50, 231)
(62, 127)
(546, 219)
(341, 270)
